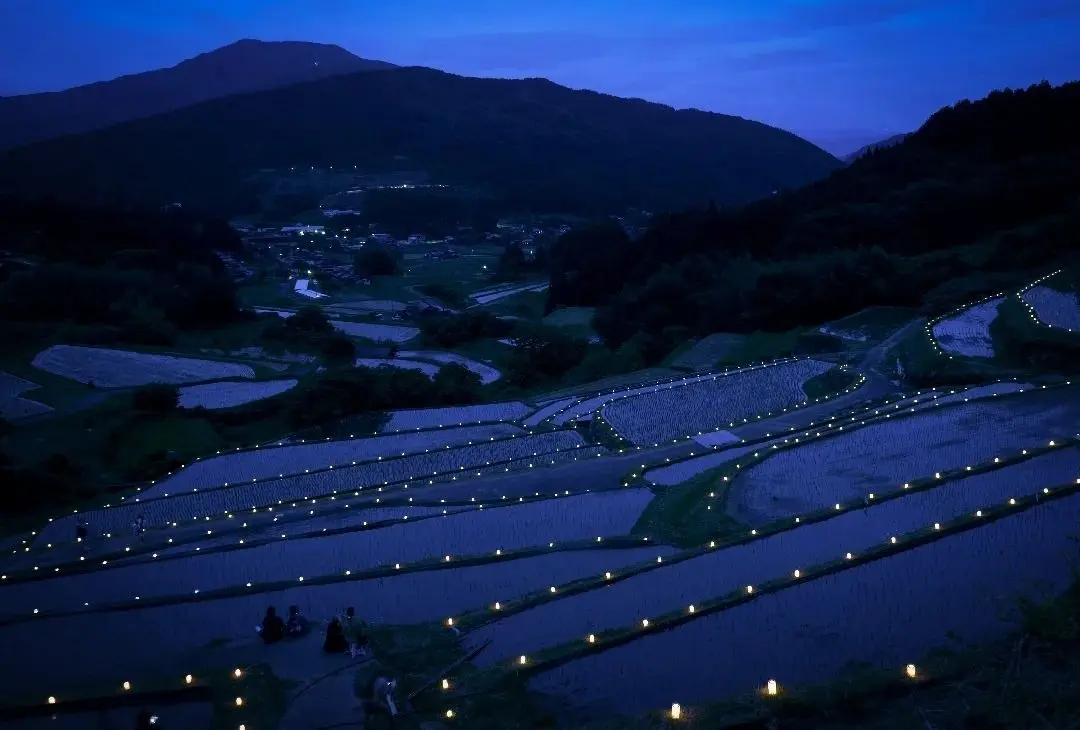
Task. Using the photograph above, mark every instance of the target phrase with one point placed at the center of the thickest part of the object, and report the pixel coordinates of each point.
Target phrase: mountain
(529, 142)
(246, 65)
(881, 144)
(983, 197)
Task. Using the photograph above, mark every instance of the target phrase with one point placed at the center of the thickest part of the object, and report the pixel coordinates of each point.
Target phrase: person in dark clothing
(273, 628)
(297, 625)
(82, 531)
(335, 642)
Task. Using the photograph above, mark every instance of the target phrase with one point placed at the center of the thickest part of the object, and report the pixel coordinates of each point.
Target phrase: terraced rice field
(669, 589)
(276, 461)
(1054, 308)
(231, 393)
(667, 414)
(889, 612)
(12, 404)
(847, 467)
(455, 416)
(421, 468)
(907, 604)
(121, 368)
(968, 333)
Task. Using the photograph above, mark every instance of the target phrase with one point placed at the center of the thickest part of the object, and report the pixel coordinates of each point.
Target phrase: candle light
(771, 688)
(910, 670)
(676, 711)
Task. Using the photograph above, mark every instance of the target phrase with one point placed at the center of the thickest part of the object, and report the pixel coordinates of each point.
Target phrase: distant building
(304, 229)
(302, 288)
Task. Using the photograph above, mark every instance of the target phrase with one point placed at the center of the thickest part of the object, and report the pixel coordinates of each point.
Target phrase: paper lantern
(498, 606)
(449, 714)
(127, 686)
(522, 659)
(910, 670)
(237, 673)
(676, 711)
(592, 638)
(771, 688)
(692, 609)
(449, 622)
(52, 700)
(644, 623)
(188, 679)
(239, 701)
(446, 684)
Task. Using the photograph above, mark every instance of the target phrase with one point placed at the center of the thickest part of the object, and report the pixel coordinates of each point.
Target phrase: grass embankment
(1021, 340)
(262, 696)
(693, 512)
(873, 323)
(830, 382)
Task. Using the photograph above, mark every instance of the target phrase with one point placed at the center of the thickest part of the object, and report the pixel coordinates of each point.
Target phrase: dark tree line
(112, 275)
(984, 194)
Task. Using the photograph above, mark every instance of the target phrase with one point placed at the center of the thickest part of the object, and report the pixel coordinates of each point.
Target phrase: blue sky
(839, 72)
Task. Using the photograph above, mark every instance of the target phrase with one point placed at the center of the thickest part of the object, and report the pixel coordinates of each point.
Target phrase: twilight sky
(838, 72)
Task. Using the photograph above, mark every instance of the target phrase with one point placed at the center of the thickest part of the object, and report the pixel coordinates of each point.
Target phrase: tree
(374, 260)
(156, 398)
(455, 384)
(309, 319)
(338, 350)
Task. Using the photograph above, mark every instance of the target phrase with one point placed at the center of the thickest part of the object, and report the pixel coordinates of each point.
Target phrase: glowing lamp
(127, 686)
(937, 525)
(796, 574)
(237, 673)
(676, 711)
(692, 609)
(644, 623)
(607, 576)
(449, 714)
(771, 688)
(239, 701)
(52, 700)
(449, 622)
(910, 671)
(446, 684)
(1012, 501)
(498, 606)
(749, 589)
(592, 638)
(522, 659)
(552, 589)
(188, 679)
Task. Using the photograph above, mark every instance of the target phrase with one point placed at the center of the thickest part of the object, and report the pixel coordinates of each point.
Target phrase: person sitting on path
(382, 698)
(335, 641)
(138, 527)
(297, 625)
(354, 632)
(273, 628)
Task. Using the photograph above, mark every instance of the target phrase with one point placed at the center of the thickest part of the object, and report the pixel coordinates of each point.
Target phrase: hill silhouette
(247, 65)
(530, 142)
(887, 142)
(981, 196)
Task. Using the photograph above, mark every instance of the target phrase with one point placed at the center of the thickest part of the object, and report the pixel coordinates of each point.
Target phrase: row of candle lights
(228, 514)
(1030, 309)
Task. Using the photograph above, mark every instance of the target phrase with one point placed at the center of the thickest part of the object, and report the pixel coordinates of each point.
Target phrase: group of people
(273, 628)
(344, 633)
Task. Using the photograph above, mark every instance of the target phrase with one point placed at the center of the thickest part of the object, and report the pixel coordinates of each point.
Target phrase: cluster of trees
(447, 329)
(375, 260)
(982, 195)
(309, 329)
(112, 275)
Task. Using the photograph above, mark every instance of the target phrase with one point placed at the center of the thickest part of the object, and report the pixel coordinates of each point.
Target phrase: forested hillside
(528, 143)
(983, 193)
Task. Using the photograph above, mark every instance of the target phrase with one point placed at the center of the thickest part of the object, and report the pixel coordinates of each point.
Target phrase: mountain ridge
(243, 66)
(525, 139)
